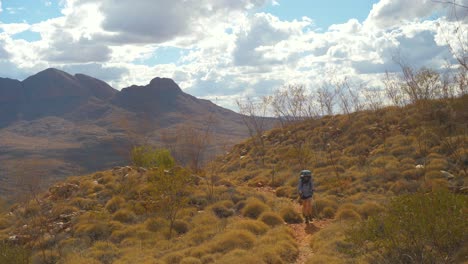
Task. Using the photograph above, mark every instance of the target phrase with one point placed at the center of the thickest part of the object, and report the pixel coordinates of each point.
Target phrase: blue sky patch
(28, 35)
(323, 13)
(29, 11)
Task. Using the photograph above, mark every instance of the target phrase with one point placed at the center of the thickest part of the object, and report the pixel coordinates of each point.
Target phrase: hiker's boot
(306, 219)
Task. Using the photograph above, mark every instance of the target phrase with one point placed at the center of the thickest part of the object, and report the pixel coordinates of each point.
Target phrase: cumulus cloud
(264, 31)
(393, 13)
(149, 21)
(4, 55)
(66, 49)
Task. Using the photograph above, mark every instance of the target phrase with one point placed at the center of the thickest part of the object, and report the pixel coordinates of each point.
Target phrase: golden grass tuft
(253, 208)
(290, 215)
(347, 214)
(124, 216)
(233, 239)
(271, 218)
(254, 226)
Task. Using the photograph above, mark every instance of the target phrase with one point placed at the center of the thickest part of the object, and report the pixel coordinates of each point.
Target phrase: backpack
(306, 176)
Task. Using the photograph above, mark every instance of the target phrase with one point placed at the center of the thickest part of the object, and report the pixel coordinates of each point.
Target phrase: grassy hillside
(241, 208)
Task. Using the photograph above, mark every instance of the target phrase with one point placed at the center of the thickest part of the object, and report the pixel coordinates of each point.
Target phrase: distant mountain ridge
(49, 92)
(54, 115)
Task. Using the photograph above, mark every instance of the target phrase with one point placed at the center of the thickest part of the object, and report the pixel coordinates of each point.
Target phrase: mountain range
(54, 124)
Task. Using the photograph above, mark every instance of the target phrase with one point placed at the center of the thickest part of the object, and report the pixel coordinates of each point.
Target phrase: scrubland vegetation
(391, 180)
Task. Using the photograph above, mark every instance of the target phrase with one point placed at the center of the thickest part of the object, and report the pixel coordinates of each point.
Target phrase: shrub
(190, 260)
(254, 226)
(320, 204)
(14, 254)
(413, 174)
(208, 259)
(124, 216)
(45, 257)
(286, 191)
(254, 208)
(347, 214)
(155, 224)
(238, 256)
(181, 227)
(148, 157)
(84, 203)
(427, 228)
(437, 164)
(115, 204)
(288, 251)
(369, 209)
(95, 230)
(76, 258)
(290, 215)
(223, 209)
(233, 239)
(174, 257)
(63, 209)
(5, 222)
(271, 218)
(122, 233)
(328, 212)
(105, 252)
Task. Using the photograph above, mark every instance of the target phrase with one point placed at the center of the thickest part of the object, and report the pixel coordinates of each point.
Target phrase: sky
(225, 50)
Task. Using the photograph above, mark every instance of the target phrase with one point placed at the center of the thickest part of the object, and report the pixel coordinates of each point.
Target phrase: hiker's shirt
(306, 189)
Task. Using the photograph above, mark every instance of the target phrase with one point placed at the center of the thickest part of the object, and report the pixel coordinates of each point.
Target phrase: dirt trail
(302, 232)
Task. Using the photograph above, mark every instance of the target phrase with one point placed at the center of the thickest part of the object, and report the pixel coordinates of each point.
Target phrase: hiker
(306, 191)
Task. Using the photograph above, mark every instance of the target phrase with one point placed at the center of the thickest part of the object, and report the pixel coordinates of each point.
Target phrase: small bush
(155, 224)
(437, 164)
(254, 226)
(105, 252)
(45, 257)
(181, 227)
(234, 239)
(76, 258)
(124, 216)
(223, 209)
(254, 208)
(286, 191)
(174, 257)
(5, 222)
(320, 204)
(84, 203)
(239, 256)
(190, 260)
(370, 209)
(63, 209)
(208, 259)
(115, 204)
(426, 228)
(347, 214)
(288, 251)
(96, 230)
(14, 254)
(328, 212)
(271, 219)
(290, 216)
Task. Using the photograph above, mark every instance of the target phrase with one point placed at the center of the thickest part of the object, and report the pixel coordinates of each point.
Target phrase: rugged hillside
(54, 124)
(360, 163)
(241, 208)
